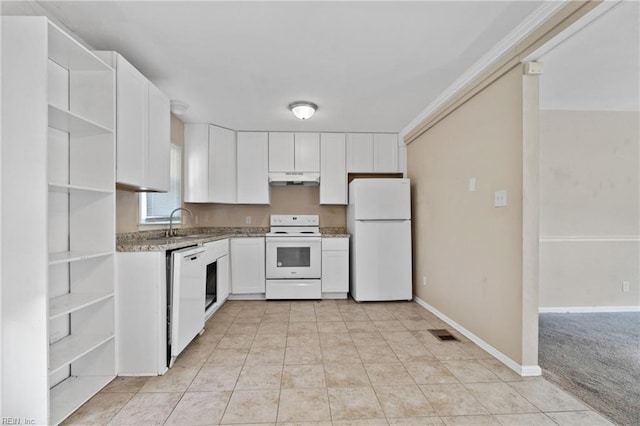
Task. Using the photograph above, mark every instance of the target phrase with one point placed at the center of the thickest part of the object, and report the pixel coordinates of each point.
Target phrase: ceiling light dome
(302, 109)
(179, 107)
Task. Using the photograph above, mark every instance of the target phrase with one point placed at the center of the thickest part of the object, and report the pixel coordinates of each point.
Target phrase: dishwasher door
(186, 313)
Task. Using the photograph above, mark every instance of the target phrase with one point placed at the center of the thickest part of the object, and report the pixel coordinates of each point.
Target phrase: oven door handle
(293, 239)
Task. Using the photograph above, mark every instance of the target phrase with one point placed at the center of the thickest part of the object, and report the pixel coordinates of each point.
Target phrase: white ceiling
(598, 68)
(370, 66)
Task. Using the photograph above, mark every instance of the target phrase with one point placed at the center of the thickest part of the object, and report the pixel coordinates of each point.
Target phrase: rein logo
(16, 421)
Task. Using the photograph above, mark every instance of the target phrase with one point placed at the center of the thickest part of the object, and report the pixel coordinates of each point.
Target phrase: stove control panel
(295, 220)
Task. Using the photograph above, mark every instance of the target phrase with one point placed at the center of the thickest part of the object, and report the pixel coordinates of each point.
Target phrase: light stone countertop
(156, 241)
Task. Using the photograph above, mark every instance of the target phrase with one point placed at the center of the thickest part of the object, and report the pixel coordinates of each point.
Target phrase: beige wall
(284, 200)
(589, 194)
(470, 252)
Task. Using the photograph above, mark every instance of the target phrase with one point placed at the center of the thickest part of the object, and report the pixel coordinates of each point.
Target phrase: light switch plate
(472, 184)
(500, 198)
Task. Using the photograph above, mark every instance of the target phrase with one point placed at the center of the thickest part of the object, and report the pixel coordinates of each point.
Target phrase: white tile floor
(332, 362)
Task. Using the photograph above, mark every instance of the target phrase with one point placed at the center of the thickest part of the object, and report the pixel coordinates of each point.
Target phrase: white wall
(589, 208)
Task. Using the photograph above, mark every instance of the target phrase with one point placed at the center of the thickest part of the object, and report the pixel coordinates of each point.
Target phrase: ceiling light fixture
(302, 109)
(179, 107)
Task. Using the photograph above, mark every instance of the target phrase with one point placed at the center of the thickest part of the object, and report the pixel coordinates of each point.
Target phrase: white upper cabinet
(222, 165)
(196, 163)
(142, 130)
(402, 159)
(131, 95)
(281, 152)
(253, 168)
(294, 152)
(385, 153)
(307, 152)
(333, 170)
(359, 152)
(210, 164)
(157, 165)
(372, 153)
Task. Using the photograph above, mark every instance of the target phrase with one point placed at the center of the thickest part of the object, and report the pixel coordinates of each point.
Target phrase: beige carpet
(596, 357)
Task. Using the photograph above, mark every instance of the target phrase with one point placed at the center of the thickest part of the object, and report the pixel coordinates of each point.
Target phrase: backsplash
(284, 200)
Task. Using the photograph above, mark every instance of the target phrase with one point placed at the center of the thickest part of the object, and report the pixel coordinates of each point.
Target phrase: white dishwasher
(187, 298)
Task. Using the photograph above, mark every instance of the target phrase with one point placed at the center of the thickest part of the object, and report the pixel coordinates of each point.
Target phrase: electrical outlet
(500, 198)
(424, 280)
(625, 286)
(247, 220)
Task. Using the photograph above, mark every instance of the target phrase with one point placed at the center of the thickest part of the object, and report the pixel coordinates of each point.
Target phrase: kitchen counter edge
(142, 245)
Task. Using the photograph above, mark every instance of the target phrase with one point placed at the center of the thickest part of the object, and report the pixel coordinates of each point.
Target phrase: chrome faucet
(172, 231)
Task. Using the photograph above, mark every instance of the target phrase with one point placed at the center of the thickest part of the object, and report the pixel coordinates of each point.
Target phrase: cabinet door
(196, 162)
(247, 265)
(159, 143)
(335, 271)
(281, 152)
(222, 165)
(132, 124)
(223, 278)
(359, 152)
(385, 153)
(253, 169)
(402, 159)
(141, 301)
(333, 169)
(307, 152)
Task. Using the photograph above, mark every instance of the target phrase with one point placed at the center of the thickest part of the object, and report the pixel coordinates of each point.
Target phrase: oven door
(293, 257)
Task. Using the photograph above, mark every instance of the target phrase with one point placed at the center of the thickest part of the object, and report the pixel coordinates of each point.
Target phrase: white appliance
(379, 221)
(294, 178)
(187, 298)
(293, 257)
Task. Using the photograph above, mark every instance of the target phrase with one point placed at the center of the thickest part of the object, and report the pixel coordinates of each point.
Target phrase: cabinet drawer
(330, 244)
(293, 289)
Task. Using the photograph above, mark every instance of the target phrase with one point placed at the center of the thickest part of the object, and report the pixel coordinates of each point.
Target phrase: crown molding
(526, 28)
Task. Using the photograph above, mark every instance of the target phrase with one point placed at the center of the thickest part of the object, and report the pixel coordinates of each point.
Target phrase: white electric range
(293, 257)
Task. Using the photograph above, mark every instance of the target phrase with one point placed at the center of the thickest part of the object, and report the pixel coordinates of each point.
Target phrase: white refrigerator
(379, 221)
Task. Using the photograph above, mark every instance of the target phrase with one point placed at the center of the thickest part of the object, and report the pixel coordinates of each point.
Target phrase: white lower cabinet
(142, 313)
(247, 265)
(223, 279)
(218, 253)
(335, 267)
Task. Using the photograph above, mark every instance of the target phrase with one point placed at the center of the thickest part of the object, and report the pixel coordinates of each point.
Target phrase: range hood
(294, 178)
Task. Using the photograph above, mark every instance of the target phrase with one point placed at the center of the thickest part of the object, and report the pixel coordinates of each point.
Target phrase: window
(155, 208)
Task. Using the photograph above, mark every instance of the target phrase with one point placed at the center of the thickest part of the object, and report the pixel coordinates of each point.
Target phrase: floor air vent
(444, 335)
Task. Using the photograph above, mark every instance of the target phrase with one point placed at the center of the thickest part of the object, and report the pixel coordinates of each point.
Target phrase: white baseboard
(588, 309)
(523, 370)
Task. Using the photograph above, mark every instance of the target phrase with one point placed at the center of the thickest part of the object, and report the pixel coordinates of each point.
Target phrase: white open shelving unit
(72, 143)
